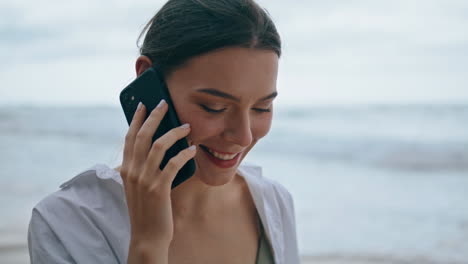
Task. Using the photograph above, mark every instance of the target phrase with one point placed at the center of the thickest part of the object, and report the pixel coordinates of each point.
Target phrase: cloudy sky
(337, 51)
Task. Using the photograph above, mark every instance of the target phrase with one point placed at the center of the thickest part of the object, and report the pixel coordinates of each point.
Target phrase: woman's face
(227, 98)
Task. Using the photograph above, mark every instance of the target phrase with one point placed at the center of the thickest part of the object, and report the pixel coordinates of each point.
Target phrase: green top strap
(264, 252)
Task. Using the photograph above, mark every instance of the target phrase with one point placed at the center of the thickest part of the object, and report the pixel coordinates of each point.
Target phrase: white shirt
(87, 221)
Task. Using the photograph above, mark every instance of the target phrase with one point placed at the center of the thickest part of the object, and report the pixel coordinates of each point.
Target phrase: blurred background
(370, 133)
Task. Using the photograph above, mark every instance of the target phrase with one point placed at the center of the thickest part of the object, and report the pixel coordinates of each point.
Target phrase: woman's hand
(148, 188)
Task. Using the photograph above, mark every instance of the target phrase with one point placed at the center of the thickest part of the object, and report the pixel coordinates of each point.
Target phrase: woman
(220, 62)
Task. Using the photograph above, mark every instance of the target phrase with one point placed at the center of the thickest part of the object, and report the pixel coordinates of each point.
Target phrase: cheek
(201, 127)
(261, 126)
(193, 116)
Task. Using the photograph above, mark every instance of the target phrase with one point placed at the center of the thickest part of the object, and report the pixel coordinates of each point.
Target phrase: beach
(19, 255)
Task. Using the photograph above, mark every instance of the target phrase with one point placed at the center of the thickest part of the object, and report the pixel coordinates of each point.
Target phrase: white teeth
(222, 156)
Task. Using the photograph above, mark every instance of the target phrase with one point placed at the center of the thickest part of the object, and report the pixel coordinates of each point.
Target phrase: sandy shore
(18, 254)
(14, 254)
(331, 259)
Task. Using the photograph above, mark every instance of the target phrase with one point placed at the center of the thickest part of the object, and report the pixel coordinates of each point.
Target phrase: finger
(145, 134)
(161, 145)
(176, 163)
(135, 124)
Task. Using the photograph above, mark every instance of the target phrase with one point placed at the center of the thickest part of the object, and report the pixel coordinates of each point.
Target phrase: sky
(334, 52)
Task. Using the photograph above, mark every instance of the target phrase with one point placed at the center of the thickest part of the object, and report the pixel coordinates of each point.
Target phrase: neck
(197, 200)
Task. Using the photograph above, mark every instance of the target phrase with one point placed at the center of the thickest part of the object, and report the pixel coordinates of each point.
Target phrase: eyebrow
(218, 93)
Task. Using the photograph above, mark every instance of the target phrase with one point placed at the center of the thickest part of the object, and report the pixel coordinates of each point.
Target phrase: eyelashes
(211, 110)
(262, 110)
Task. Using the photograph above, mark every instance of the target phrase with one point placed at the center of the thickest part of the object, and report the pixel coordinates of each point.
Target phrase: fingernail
(185, 125)
(192, 147)
(161, 103)
(139, 106)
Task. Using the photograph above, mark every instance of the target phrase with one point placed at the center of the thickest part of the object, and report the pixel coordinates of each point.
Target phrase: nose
(238, 130)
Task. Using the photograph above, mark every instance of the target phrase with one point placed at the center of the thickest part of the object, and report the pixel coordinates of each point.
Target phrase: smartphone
(150, 88)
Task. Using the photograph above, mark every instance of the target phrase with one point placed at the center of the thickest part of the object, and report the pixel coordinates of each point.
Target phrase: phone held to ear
(150, 88)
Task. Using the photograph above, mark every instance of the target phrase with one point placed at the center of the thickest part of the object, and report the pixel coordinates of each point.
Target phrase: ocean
(371, 183)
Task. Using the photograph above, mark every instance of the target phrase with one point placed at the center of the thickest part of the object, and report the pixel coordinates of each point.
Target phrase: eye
(210, 110)
(261, 110)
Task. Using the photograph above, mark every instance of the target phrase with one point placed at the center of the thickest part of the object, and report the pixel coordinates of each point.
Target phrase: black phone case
(149, 88)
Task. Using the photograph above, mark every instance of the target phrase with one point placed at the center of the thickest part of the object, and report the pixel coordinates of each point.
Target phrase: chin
(215, 177)
(211, 175)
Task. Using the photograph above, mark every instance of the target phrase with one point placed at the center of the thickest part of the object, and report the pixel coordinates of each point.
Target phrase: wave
(383, 153)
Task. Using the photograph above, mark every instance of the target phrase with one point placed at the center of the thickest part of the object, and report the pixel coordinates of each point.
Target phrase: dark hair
(183, 29)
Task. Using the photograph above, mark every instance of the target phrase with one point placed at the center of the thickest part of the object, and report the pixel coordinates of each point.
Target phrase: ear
(142, 63)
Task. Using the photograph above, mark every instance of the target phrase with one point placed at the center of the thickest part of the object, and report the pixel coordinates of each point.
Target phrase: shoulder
(93, 188)
(87, 217)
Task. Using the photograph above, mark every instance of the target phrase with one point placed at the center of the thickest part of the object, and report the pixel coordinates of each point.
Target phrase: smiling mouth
(218, 155)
